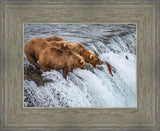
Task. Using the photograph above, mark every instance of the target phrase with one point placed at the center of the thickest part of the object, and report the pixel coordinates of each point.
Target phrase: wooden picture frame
(15, 116)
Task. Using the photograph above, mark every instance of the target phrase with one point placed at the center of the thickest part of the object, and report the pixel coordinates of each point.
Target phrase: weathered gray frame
(15, 116)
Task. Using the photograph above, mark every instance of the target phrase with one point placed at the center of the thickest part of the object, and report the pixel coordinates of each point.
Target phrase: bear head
(79, 62)
(92, 59)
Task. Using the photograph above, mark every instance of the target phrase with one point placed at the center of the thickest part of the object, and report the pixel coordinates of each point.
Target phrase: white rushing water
(113, 43)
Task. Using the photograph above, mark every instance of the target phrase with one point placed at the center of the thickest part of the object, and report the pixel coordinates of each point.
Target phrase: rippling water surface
(113, 43)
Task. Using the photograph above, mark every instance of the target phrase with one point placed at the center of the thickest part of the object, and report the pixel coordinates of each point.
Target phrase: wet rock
(126, 57)
(33, 74)
(88, 67)
(100, 68)
(110, 36)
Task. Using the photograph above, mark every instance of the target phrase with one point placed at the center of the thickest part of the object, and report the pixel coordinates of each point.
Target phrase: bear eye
(91, 56)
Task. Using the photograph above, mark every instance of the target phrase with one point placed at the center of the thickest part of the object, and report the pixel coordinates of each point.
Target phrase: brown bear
(54, 58)
(34, 46)
(88, 55)
(53, 38)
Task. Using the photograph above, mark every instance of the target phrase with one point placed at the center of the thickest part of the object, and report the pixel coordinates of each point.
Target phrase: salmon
(109, 69)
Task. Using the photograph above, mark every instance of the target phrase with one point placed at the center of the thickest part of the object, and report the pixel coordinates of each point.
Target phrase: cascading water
(113, 43)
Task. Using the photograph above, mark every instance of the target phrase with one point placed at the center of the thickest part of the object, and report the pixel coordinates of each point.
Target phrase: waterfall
(91, 87)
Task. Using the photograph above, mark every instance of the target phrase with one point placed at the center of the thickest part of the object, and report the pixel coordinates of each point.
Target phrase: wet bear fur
(54, 58)
(34, 46)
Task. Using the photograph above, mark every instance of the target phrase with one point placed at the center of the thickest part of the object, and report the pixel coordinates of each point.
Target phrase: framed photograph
(105, 78)
(79, 65)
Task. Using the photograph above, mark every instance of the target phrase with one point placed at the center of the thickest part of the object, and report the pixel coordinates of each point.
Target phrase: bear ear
(64, 45)
(91, 56)
(90, 51)
(81, 62)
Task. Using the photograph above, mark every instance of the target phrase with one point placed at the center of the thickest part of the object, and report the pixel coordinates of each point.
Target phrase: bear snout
(100, 62)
